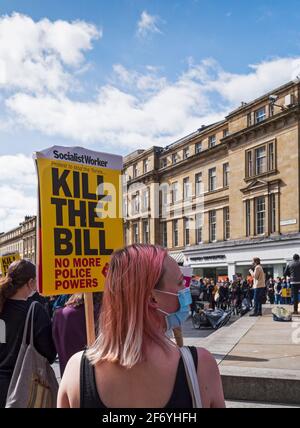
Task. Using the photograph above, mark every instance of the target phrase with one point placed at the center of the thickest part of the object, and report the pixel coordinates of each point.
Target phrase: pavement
(248, 405)
(259, 359)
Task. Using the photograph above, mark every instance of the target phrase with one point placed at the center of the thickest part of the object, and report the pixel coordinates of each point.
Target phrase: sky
(121, 75)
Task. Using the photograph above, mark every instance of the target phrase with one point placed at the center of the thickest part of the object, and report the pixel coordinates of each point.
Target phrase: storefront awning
(178, 257)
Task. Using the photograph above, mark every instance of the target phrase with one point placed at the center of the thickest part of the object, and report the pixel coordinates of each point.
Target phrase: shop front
(235, 257)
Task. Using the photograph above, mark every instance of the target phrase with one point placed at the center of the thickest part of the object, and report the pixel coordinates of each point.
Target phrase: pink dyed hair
(127, 321)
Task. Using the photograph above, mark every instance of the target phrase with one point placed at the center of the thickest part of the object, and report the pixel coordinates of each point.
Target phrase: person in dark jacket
(292, 271)
(15, 289)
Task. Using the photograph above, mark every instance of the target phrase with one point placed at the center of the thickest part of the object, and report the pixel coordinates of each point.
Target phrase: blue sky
(235, 32)
(117, 75)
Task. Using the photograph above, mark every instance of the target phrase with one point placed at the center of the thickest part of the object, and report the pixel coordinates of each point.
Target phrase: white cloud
(143, 109)
(148, 24)
(263, 77)
(37, 56)
(150, 81)
(17, 190)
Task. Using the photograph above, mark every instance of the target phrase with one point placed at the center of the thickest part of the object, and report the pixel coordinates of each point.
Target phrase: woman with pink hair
(133, 364)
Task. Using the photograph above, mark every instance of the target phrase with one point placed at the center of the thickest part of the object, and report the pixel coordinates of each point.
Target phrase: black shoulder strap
(89, 397)
(82, 380)
(194, 352)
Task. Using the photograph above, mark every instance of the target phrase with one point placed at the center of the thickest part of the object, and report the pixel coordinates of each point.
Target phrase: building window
(273, 213)
(260, 160)
(260, 210)
(260, 115)
(226, 175)
(135, 171)
(225, 133)
(145, 200)
(186, 231)
(212, 179)
(198, 148)
(126, 234)
(186, 188)
(125, 206)
(175, 233)
(165, 234)
(175, 192)
(146, 232)
(163, 163)
(186, 153)
(212, 141)
(164, 196)
(212, 226)
(198, 184)
(249, 119)
(271, 157)
(226, 224)
(249, 164)
(136, 203)
(136, 233)
(199, 228)
(174, 158)
(248, 218)
(146, 166)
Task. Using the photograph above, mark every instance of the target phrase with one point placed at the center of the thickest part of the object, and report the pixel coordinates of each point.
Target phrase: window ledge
(265, 174)
(211, 192)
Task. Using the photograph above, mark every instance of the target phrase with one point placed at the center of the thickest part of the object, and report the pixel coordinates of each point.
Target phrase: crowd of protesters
(229, 294)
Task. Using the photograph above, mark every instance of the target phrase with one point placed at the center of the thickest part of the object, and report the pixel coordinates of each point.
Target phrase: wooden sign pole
(89, 318)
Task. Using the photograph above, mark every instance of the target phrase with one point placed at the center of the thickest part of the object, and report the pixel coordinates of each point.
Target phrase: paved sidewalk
(247, 405)
(259, 359)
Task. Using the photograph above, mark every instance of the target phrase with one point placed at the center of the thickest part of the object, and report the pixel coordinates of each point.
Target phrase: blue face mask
(176, 319)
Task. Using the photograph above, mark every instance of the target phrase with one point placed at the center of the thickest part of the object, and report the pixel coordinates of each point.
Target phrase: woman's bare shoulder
(69, 389)
(205, 356)
(210, 379)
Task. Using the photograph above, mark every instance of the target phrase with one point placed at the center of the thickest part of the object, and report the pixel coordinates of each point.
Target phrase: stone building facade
(21, 239)
(225, 193)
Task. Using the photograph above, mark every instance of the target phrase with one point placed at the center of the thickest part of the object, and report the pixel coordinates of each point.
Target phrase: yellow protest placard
(80, 220)
(7, 260)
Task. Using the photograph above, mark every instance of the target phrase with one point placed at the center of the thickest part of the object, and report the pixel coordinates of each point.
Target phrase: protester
(212, 290)
(278, 292)
(69, 327)
(133, 363)
(195, 292)
(15, 289)
(59, 302)
(284, 294)
(292, 271)
(258, 276)
(271, 291)
(288, 290)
